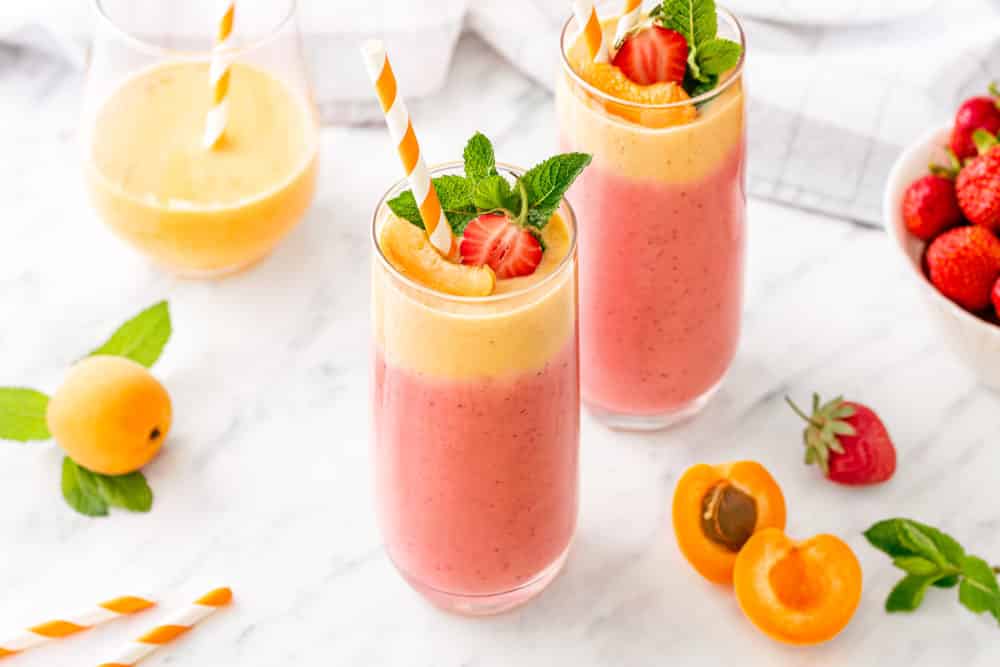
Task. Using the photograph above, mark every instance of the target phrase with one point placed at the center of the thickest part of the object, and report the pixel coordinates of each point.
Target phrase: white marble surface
(265, 482)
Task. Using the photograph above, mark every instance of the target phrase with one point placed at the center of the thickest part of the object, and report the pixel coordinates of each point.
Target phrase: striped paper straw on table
(218, 73)
(590, 27)
(629, 18)
(178, 625)
(70, 625)
(401, 130)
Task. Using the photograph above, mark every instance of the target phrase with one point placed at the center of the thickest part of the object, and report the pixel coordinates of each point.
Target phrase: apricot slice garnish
(612, 80)
(716, 509)
(797, 592)
(407, 248)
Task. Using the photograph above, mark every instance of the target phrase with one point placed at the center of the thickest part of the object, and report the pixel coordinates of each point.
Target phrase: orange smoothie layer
(190, 208)
(677, 154)
(516, 330)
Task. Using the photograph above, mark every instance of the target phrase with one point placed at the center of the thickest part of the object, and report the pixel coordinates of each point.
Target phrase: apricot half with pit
(717, 508)
(110, 415)
(797, 592)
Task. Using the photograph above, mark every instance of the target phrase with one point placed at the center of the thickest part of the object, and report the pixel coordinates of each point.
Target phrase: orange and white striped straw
(218, 73)
(401, 130)
(49, 631)
(178, 625)
(590, 28)
(629, 18)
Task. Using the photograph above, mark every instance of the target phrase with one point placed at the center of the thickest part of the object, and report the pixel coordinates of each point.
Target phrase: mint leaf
(979, 590)
(405, 207)
(480, 161)
(493, 193)
(91, 494)
(22, 414)
(919, 542)
(947, 582)
(142, 338)
(885, 537)
(695, 19)
(908, 593)
(905, 537)
(916, 565)
(546, 184)
(717, 56)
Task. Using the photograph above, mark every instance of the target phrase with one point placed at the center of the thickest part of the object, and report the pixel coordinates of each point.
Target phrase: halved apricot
(718, 508)
(797, 592)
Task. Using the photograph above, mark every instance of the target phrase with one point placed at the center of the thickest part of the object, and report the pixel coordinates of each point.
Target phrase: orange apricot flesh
(717, 508)
(800, 593)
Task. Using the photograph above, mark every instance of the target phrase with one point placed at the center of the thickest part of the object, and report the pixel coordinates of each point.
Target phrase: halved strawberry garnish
(495, 240)
(653, 55)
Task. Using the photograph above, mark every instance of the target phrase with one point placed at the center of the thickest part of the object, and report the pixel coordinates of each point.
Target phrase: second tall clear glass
(661, 214)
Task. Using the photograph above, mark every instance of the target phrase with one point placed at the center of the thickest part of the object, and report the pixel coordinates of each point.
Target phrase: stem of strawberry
(802, 414)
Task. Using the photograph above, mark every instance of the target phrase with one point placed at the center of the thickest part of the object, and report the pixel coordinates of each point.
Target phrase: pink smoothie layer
(661, 282)
(477, 478)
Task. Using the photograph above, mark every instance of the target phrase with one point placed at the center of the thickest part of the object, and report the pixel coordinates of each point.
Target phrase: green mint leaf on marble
(545, 185)
(908, 593)
(480, 161)
(931, 557)
(92, 494)
(708, 55)
(142, 338)
(22, 414)
(979, 591)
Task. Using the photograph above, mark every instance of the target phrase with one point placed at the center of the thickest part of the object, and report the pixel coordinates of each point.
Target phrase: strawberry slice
(653, 55)
(508, 249)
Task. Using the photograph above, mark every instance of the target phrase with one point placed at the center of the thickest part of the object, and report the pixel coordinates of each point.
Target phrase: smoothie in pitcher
(476, 397)
(661, 215)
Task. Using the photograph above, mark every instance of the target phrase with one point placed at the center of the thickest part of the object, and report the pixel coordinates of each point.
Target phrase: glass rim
(721, 87)
(232, 51)
(436, 169)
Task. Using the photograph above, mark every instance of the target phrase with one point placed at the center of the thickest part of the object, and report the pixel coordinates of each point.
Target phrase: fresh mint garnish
(708, 55)
(930, 557)
(142, 338)
(22, 414)
(530, 201)
(92, 494)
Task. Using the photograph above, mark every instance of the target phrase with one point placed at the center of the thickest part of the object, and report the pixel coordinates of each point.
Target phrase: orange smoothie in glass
(475, 405)
(194, 210)
(662, 217)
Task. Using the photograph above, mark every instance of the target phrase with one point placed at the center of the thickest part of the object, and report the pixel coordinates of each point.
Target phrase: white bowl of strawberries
(943, 212)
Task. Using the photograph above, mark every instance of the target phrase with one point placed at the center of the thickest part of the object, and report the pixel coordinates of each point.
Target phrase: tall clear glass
(475, 430)
(195, 210)
(661, 214)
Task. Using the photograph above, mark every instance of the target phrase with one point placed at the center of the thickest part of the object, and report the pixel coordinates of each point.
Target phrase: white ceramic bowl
(975, 341)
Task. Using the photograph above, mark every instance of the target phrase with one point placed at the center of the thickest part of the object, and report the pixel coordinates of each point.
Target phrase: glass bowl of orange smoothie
(194, 209)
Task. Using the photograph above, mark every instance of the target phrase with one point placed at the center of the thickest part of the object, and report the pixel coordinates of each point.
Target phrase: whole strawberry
(978, 184)
(976, 113)
(930, 206)
(848, 441)
(964, 264)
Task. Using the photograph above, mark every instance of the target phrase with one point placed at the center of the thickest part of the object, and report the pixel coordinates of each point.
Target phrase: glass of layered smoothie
(475, 388)
(661, 210)
(159, 74)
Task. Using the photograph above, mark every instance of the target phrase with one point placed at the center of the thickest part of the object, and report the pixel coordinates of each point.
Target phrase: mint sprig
(529, 202)
(930, 557)
(23, 417)
(708, 55)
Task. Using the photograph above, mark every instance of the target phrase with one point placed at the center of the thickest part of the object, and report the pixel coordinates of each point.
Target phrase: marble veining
(265, 482)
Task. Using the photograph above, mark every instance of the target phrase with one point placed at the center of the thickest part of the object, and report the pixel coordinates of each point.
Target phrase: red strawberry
(976, 113)
(964, 264)
(848, 441)
(653, 55)
(930, 206)
(493, 239)
(978, 188)
(996, 297)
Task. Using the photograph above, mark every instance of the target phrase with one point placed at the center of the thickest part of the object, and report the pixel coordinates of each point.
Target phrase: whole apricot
(110, 415)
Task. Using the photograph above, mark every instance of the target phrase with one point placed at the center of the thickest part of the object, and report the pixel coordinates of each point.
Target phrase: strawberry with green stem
(848, 441)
